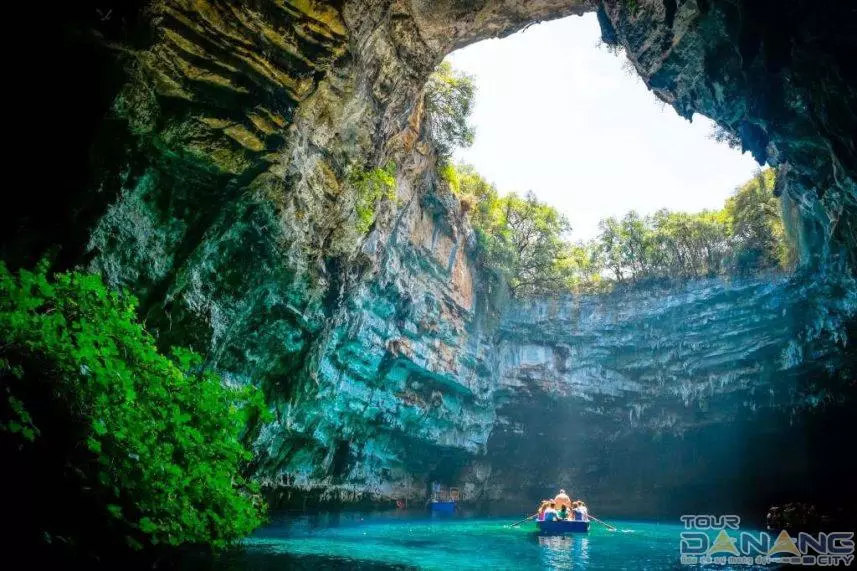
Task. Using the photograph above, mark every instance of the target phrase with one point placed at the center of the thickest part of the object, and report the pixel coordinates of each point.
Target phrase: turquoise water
(419, 541)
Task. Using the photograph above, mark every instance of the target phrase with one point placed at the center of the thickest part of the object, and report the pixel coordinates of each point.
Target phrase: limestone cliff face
(710, 381)
(205, 159)
(777, 77)
(396, 382)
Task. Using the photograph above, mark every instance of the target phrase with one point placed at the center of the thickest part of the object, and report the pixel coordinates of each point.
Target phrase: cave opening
(559, 112)
(265, 178)
(684, 411)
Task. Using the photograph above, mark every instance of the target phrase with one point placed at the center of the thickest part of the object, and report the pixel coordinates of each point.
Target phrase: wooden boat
(443, 500)
(442, 506)
(560, 526)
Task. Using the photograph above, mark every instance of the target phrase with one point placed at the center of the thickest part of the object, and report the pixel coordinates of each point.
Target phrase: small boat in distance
(443, 500)
(561, 526)
(438, 506)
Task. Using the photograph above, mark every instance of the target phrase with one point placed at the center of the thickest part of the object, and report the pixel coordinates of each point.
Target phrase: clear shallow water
(419, 541)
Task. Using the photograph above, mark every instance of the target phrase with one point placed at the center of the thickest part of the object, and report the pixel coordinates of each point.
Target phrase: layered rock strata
(206, 159)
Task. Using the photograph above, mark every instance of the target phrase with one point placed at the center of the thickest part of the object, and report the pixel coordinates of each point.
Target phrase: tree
(688, 245)
(635, 238)
(449, 103)
(522, 242)
(758, 233)
(369, 188)
(610, 247)
(119, 444)
(583, 267)
(536, 233)
(472, 184)
(711, 233)
(721, 134)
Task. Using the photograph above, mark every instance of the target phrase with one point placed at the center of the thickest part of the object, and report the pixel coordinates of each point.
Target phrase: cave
(198, 154)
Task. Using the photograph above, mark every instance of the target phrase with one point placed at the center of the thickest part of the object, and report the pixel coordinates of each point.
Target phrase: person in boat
(563, 512)
(542, 507)
(562, 499)
(584, 511)
(550, 512)
(581, 513)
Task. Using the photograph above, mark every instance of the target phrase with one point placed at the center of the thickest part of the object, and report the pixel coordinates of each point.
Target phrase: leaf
(99, 427)
(147, 525)
(174, 451)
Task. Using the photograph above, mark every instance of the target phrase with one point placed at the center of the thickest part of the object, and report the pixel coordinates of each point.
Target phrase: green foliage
(690, 245)
(370, 187)
(535, 246)
(449, 173)
(582, 268)
(472, 184)
(151, 444)
(449, 103)
(721, 134)
(747, 235)
(667, 244)
(487, 215)
(520, 239)
(760, 238)
(522, 245)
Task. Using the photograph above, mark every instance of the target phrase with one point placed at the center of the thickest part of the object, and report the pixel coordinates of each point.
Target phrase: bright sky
(559, 115)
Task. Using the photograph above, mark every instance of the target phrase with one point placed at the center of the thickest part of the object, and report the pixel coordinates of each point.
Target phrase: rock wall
(397, 386)
(673, 397)
(202, 157)
(778, 77)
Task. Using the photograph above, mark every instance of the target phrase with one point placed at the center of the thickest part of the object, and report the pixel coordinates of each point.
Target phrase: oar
(610, 527)
(525, 519)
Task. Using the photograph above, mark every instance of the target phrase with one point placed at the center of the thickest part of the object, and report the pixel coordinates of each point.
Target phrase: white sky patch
(559, 115)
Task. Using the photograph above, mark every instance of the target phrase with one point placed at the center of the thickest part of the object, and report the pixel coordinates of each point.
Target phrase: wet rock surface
(711, 382)
(777, 77)
(204, 164)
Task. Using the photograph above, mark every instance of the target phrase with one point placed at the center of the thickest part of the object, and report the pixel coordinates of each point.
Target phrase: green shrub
(141, 449)
(449, 97)
(449, 173)
(370, 187)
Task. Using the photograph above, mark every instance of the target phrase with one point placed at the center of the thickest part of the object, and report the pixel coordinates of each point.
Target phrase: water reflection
(292, 524)
(563, 551)
(393, 540)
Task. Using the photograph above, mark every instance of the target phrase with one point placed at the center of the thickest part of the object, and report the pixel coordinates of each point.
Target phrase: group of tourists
(562, 508)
